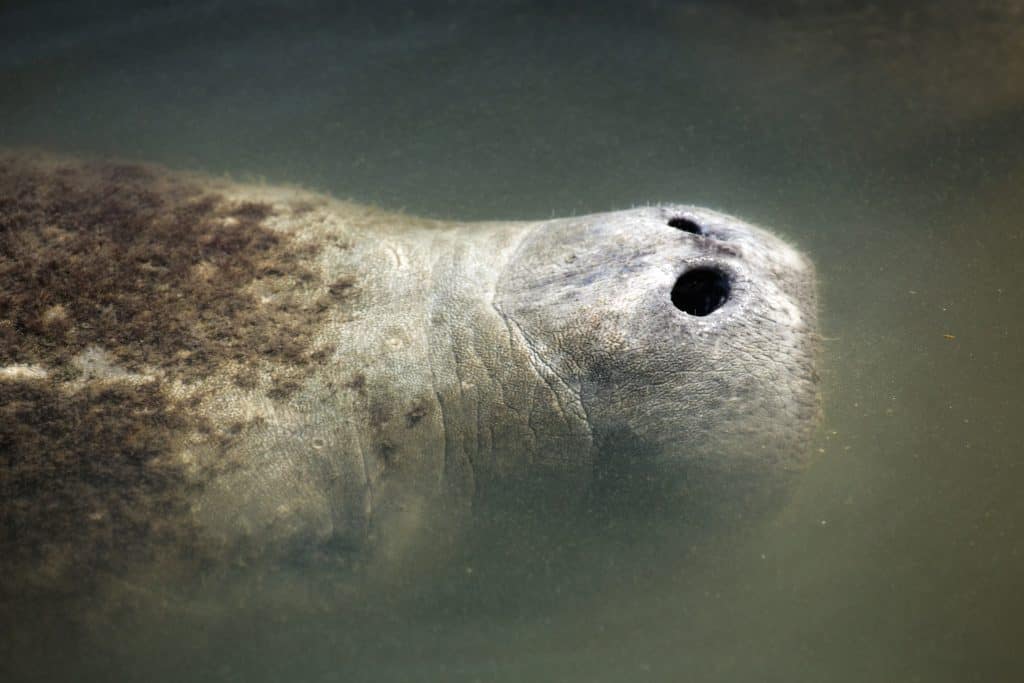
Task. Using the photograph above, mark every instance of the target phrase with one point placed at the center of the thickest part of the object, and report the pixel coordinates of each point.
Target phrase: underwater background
(886, 140)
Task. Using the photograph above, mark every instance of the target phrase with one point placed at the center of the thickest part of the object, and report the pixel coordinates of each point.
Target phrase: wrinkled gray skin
(530, 352)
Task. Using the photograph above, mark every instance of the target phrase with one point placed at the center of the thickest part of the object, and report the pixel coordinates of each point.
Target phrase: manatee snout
(692, 334)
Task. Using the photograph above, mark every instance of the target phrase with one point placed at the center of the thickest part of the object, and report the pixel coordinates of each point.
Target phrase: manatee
(197, 371)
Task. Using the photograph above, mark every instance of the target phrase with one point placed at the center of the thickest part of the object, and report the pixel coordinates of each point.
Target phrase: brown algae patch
(85, 490)
(171, 283)
(152, 269)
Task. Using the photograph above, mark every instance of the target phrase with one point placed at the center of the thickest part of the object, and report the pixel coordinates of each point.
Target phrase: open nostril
(686, 225)
(701, 291)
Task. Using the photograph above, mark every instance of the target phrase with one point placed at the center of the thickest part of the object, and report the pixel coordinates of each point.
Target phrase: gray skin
(532, 353)
(455, 363)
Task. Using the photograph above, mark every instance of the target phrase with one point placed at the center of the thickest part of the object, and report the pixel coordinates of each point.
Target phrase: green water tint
(887, 144)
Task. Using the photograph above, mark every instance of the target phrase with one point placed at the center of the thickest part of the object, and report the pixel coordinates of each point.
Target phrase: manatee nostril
(701, 291)
(686, 225)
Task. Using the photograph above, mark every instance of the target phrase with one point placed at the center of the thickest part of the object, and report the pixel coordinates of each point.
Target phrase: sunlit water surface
(888, 144)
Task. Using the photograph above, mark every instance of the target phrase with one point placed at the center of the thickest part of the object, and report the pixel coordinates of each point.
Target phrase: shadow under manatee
(538, 549)
(533, 556)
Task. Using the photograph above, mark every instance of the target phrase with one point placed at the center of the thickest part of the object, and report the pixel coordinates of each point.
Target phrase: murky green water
(887, 143)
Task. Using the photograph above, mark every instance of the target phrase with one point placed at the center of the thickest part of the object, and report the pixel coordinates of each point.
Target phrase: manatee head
(690, 334)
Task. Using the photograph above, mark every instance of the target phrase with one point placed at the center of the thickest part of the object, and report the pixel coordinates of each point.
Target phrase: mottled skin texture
(200, 371)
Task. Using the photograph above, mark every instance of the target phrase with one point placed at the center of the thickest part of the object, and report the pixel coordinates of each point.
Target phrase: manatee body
(194, 368)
